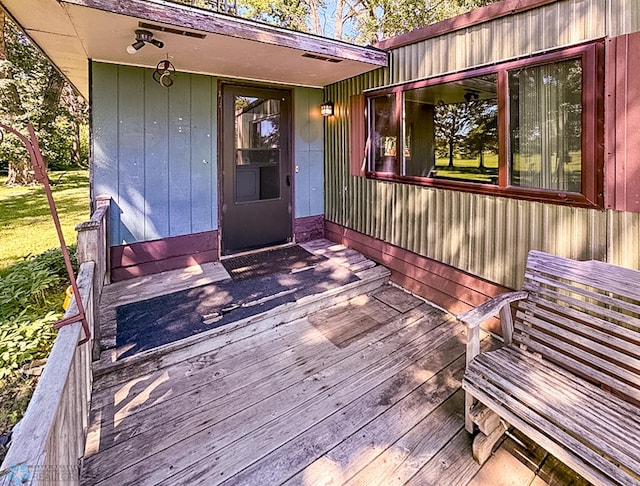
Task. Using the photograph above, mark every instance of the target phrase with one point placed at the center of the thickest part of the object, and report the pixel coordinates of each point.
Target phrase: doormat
(291, 258)
(144, 325)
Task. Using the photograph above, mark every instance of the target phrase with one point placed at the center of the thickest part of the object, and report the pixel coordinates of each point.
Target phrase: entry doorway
(256, 168)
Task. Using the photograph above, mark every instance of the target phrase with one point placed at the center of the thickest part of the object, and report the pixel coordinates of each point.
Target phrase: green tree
(380, 19)
(483, 136)
(32, 90)
(360, 21)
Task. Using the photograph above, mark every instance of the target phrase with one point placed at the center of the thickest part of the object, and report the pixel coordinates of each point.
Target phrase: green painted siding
(483, 235)
(154, 151)
(308, 152)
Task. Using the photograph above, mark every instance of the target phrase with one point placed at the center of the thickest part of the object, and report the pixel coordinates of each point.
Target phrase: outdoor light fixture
(326, 108)
(142, 37)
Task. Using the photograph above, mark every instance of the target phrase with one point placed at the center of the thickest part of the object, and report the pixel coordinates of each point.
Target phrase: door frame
(222, 83)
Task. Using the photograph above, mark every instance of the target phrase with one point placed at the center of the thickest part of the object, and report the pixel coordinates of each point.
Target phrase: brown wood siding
(149, 257)
(622, 143)
(446, 286)
(308, 228)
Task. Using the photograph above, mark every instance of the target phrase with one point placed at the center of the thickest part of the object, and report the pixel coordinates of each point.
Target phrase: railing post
(93, 247)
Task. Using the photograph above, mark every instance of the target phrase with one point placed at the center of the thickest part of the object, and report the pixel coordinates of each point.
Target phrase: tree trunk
(314, 17)
(51, 98)
(3, 45)
(75, 143)
(21, 174)
(451, 153)
(340, 19)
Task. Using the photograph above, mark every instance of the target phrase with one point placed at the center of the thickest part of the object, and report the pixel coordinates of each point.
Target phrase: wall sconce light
(326, 108)
(142, 37)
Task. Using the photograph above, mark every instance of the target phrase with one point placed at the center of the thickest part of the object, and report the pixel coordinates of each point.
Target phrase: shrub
(30, 301)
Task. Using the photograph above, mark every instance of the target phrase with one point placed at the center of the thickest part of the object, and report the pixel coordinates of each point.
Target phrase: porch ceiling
(72, 31)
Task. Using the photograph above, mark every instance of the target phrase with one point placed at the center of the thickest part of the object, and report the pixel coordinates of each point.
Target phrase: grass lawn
(25, 222)
(26, 228)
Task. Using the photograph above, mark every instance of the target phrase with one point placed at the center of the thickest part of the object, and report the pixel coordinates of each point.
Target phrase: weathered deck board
(365, 392)
(316, 392)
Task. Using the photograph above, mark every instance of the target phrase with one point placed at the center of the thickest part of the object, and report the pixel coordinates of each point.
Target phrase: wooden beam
(215, 23)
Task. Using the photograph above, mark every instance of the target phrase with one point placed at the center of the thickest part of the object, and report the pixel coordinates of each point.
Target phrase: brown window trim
(592, 56)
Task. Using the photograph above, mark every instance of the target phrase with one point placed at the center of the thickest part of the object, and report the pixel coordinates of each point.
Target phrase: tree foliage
(32, 90)
(360, 21)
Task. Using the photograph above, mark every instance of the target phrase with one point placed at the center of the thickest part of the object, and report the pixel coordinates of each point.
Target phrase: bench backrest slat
(585, 316)
(601, 317)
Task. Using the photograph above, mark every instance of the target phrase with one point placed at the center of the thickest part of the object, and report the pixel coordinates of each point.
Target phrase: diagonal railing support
(40, 171)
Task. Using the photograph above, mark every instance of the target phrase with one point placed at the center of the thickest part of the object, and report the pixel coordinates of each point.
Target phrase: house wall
(483, 236)
(155, 153)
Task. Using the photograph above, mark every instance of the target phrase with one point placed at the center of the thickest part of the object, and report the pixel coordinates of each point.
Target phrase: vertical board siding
(131, 151)
(203, 161)
(308, 152)
(154, 152)
(624, 17)
(179, 158)
(156, 163)
(104, 153)
(622, 122)
(482, 235)
(554, 25)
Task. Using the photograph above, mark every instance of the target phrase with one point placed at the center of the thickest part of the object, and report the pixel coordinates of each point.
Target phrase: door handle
(288, 180)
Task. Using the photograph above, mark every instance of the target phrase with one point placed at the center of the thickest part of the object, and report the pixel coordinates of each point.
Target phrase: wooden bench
(568, 373)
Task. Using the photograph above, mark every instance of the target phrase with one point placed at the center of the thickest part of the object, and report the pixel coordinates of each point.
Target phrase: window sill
(572, 199)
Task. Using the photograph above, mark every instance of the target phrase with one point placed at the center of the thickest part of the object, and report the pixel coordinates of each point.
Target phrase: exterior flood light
(326, 108)
(142, 37)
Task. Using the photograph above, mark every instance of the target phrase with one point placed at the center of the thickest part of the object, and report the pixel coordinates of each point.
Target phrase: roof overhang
(70, 32)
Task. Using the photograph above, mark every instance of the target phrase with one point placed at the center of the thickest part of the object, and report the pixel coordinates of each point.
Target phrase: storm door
(256, 168)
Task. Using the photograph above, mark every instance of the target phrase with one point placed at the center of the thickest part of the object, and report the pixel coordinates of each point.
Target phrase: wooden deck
(363, 392)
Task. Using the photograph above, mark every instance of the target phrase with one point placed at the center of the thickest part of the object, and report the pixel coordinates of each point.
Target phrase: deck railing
(47, 445)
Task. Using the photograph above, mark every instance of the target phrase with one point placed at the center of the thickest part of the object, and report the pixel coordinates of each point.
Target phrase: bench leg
(491, 428)
(469, 402)
(483, 444)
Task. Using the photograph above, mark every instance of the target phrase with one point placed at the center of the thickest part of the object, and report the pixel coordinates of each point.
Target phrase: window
(527, 129)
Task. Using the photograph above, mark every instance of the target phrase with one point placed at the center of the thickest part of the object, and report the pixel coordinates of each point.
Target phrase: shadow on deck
(359, 386)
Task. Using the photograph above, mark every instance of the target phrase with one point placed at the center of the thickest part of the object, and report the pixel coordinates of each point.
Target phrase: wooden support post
(93, 247)
(473, 349)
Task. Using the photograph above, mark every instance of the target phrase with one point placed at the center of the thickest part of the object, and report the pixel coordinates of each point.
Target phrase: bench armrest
(476, 316)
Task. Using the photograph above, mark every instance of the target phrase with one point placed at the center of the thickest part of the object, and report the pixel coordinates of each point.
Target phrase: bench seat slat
(550, 322)
(618, 411)
(573, 357)
(575, 408)
(563, 414)
(597, 320)
(564, 447)
(533, 418)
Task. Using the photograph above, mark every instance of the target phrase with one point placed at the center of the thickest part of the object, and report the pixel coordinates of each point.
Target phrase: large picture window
(527, 129)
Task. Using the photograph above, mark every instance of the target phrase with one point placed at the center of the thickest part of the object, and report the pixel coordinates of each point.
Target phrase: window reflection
(257, 139)
(451, 131)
